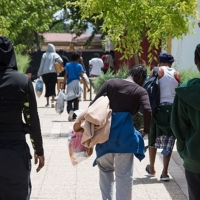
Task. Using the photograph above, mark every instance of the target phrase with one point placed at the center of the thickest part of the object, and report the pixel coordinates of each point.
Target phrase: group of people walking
(177, 119)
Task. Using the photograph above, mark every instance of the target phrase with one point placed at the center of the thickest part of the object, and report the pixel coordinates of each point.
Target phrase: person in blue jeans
(73, 72)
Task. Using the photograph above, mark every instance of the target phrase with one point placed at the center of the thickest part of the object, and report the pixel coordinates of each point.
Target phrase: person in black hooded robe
(17, 99)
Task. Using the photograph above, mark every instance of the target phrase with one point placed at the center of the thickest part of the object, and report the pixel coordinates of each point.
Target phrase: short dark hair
(96, 55)
(138, 71)
(75, 56)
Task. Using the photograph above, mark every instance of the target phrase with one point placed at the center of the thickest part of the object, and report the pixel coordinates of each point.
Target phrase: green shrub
(23, 62)
(187, 74)
(98, 82)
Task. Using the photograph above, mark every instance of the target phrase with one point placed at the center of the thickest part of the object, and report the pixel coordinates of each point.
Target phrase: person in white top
(161, 135)
(96, 64)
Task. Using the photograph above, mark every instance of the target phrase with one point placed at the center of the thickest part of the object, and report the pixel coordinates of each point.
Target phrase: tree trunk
(136, 59)
(37, 41)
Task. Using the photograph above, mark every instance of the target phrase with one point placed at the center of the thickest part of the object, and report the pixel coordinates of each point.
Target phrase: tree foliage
(127, 22)
(22, 20)
(78, 24)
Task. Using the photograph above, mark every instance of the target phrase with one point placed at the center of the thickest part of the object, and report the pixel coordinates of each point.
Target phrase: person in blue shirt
(73, 72)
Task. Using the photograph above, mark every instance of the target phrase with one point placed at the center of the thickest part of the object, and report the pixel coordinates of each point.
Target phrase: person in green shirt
(185, 123)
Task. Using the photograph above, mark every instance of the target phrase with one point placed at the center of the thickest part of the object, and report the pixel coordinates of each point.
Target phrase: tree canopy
(22, 20)
(128, 22)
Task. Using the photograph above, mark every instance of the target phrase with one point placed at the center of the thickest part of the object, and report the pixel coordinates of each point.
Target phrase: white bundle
(60, 102)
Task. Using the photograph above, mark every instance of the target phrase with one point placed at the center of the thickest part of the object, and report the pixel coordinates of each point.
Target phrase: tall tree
(78, 24)
(127, 22)
(23, 20)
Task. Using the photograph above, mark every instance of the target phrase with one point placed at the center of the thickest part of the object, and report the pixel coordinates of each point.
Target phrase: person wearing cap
(161, 135)
(17, 96)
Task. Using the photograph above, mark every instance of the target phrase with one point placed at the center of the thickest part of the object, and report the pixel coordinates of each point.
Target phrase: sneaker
(47, 105)
(70, 117)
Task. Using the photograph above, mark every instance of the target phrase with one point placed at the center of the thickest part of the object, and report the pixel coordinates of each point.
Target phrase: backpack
(153, 89)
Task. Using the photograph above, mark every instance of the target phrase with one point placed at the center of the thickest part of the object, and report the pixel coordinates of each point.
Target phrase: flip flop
(148, 172)
(164, 178)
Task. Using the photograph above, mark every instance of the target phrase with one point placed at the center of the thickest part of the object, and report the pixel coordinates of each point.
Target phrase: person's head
(7, 54)
(138, 73)
(51, 48)
(75, 56)
(80, 53)
(197, 56)
(61, 52)
(107, 52)
(96, 55)
(165, 59)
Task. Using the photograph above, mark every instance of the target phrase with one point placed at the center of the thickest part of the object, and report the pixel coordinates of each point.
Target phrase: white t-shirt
(96, 64)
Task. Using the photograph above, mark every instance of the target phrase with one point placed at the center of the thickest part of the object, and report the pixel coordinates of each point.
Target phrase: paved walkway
(60, 180)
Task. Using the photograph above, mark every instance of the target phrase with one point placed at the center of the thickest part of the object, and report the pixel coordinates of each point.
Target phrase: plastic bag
(60, 102)
(77, 151)
(39, 87)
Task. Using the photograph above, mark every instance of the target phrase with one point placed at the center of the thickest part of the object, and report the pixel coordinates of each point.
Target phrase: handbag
(58, 67)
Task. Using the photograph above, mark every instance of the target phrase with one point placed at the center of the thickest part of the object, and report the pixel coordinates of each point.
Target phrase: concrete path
(60, 180)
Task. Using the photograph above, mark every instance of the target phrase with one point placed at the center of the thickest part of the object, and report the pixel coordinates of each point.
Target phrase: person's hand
(142, 132)
(41, 162)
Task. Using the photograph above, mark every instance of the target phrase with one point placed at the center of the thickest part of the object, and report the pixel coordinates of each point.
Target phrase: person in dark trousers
(115, 156)
(48, 72)
(186, 127)
(161, 135)
(73, 72)
(17, 96)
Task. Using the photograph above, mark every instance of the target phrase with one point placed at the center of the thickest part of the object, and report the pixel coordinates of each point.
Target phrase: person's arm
(65, 80)
(84, 81)
(40, 70)
(32, 120)
(90, 63)
(180, 123)
(147, 113)
(102, 64)
(177, 77)
(82, 62)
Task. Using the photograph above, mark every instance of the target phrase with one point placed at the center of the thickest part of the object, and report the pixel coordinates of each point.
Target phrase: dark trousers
(193, 181)
(50, 81)
(15, 181)
(73, 105)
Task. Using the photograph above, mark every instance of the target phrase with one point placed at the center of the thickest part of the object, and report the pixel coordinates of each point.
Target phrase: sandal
(164, 178)
(148, 171)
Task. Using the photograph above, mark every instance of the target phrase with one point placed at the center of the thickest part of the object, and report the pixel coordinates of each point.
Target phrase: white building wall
(183, 50)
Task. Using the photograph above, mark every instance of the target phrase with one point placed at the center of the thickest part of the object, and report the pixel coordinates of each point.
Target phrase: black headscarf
(7, 54)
